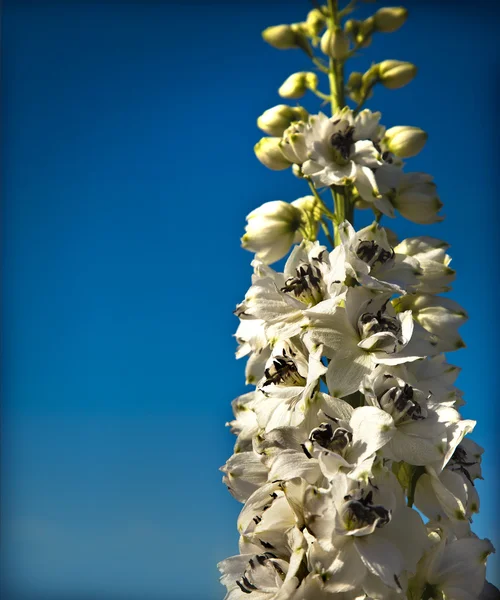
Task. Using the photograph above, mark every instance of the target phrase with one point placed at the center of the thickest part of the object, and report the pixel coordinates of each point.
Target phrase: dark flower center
(342, 142)
(371, 253)
(306, 285)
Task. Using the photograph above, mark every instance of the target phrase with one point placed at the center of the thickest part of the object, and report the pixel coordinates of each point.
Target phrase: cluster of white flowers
(351, 457)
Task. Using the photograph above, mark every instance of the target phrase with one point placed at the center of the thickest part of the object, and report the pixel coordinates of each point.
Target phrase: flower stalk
(352, 460)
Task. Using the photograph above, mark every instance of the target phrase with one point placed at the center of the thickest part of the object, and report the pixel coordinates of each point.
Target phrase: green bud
(390, 19)
(355, 81)
(315, 22)
(335, 43)
(364, 31)
(275, 120)
(267, 150)
(351, 27)
(405, 141)
(367, 27)
(281, 37)
(297, 84)
(394, 74)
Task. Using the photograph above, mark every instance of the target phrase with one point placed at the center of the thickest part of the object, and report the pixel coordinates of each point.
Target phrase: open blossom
(453, 568)
(340, 151)
(367, 257)
(358, 535)
(366, 331)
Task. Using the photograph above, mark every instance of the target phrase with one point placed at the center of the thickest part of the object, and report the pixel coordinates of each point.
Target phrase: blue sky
(127, 172)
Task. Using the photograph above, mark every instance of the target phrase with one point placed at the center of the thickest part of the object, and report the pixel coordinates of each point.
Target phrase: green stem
(326, 231)
(348, 9)
(417, 472)
(343, 206)
(336, 67)
(361, 103)
(321, 95)
(322, 67)
(324, 208)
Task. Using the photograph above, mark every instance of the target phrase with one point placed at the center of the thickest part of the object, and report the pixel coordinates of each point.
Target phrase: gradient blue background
(127, 172)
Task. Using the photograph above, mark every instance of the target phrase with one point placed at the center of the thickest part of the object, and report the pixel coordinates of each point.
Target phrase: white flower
(290, 381)
(433, 260)
(244, 473)
(253, 343)
(367, 257)
(445, 492)
(264, 576)
(340, 151)
(362, 535)
(453, 568)
(416, 199)
(272, 229)
(364, 332)
(439, 316)
(435, 376)
(399, 417)
(245, 423)
(269, 515)
(279, 299)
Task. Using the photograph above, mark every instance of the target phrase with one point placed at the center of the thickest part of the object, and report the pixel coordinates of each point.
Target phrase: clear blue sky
(127, 172)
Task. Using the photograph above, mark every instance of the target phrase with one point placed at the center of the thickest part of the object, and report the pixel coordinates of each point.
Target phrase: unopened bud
(293, 144)
(272, 229)
(297, 84)
(315, 22)
(282, 37)
(364, 31)
(390, 19)
(394, 74)
(275, 120)
(417, 200)
(335, 43)
(354, 85)
(351, 27)
(310, 206)
(405, 141)
(267, 150)
(355, 81)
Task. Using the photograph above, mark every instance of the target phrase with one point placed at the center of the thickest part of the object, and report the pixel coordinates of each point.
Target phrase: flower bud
(405, 141)
(419, 208)
(354, 85)
(272, 229)
(365, 31)
(390, 18)
(310, 206)
(293, 144)
(335, 43)
(267, 150)
(297, 84)
(311, 215)
(441, 317)
(351, 27)
(394, 74)
(315, 21)
(275, 120)
(355, 81)
(417, 200)
(281, 37)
